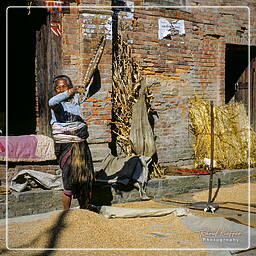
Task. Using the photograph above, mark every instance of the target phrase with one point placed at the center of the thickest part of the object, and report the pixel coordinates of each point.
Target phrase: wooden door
(48, 62)
(242, 91)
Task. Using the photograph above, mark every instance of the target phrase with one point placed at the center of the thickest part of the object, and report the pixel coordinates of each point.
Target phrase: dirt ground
(234, 201)
(88, 233)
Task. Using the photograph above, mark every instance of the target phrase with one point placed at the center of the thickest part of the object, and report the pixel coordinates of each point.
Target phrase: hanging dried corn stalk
(126, 85)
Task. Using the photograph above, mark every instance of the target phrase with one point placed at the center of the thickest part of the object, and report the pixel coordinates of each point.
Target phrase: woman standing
(69, 132)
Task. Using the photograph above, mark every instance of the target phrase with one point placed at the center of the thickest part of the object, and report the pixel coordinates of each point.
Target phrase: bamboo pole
(212, 152)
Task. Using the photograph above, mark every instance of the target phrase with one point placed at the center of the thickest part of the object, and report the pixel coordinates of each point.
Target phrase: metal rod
(212, 152)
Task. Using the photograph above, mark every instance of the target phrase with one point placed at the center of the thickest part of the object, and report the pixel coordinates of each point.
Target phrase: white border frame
(133, 249)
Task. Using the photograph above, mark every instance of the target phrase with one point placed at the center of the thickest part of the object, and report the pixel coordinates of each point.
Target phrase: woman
(70, 133)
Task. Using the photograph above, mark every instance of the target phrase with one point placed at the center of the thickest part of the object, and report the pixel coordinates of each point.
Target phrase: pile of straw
(158, 171)
(231, 134)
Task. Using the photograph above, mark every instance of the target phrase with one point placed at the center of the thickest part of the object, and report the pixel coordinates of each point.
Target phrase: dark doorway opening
(236, 63)
(21, 43)
(237, 76)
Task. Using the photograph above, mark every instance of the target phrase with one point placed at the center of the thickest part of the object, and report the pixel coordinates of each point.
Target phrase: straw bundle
(158, 171)
(126, 86)
(231, 134)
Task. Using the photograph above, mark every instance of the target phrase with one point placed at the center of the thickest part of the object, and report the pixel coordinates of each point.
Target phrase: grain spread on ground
(237, 193)
(236, 199)
(80, 229)
(84, 229)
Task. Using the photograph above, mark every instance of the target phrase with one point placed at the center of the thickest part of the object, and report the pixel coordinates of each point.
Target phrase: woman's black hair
(62, 77)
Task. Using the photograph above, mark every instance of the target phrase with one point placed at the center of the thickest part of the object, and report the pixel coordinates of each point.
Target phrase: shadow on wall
(96, 83)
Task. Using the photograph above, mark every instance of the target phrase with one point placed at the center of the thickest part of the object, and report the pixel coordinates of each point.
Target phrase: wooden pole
(212, 152)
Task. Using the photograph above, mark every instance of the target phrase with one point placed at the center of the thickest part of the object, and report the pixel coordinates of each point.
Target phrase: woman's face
(61, 86)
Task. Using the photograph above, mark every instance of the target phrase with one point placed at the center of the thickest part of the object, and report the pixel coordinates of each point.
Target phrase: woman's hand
(76, 89)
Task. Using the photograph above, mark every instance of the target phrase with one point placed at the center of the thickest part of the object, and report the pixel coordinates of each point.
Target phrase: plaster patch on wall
(87, 28)
(85, 15)
(167, 28)
(129, 14)
(108, 27)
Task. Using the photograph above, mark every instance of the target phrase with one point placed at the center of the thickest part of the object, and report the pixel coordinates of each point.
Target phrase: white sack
(120, 212)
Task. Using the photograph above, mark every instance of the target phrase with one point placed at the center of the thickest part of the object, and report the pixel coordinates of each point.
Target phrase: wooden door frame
(48, 63)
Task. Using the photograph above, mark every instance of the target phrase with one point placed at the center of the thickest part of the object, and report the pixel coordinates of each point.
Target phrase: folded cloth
(69, 132)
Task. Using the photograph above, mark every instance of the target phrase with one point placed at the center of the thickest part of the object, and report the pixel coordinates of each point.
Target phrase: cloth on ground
(125, 170)
(26, 178)
(220, 233)
(121, 212)
(32, 148)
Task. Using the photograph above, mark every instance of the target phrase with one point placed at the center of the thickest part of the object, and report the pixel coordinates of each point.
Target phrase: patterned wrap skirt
(75, 161)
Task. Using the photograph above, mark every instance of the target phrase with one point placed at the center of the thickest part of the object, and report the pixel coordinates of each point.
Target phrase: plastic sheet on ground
(30, 178)
(121, 212)
(220, 233)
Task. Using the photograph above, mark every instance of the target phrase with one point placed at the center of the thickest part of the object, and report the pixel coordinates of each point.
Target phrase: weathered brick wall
(82, 29)
(181, 66)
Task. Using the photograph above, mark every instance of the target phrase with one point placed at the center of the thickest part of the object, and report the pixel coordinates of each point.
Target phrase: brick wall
(181, 66)
(82, 30)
